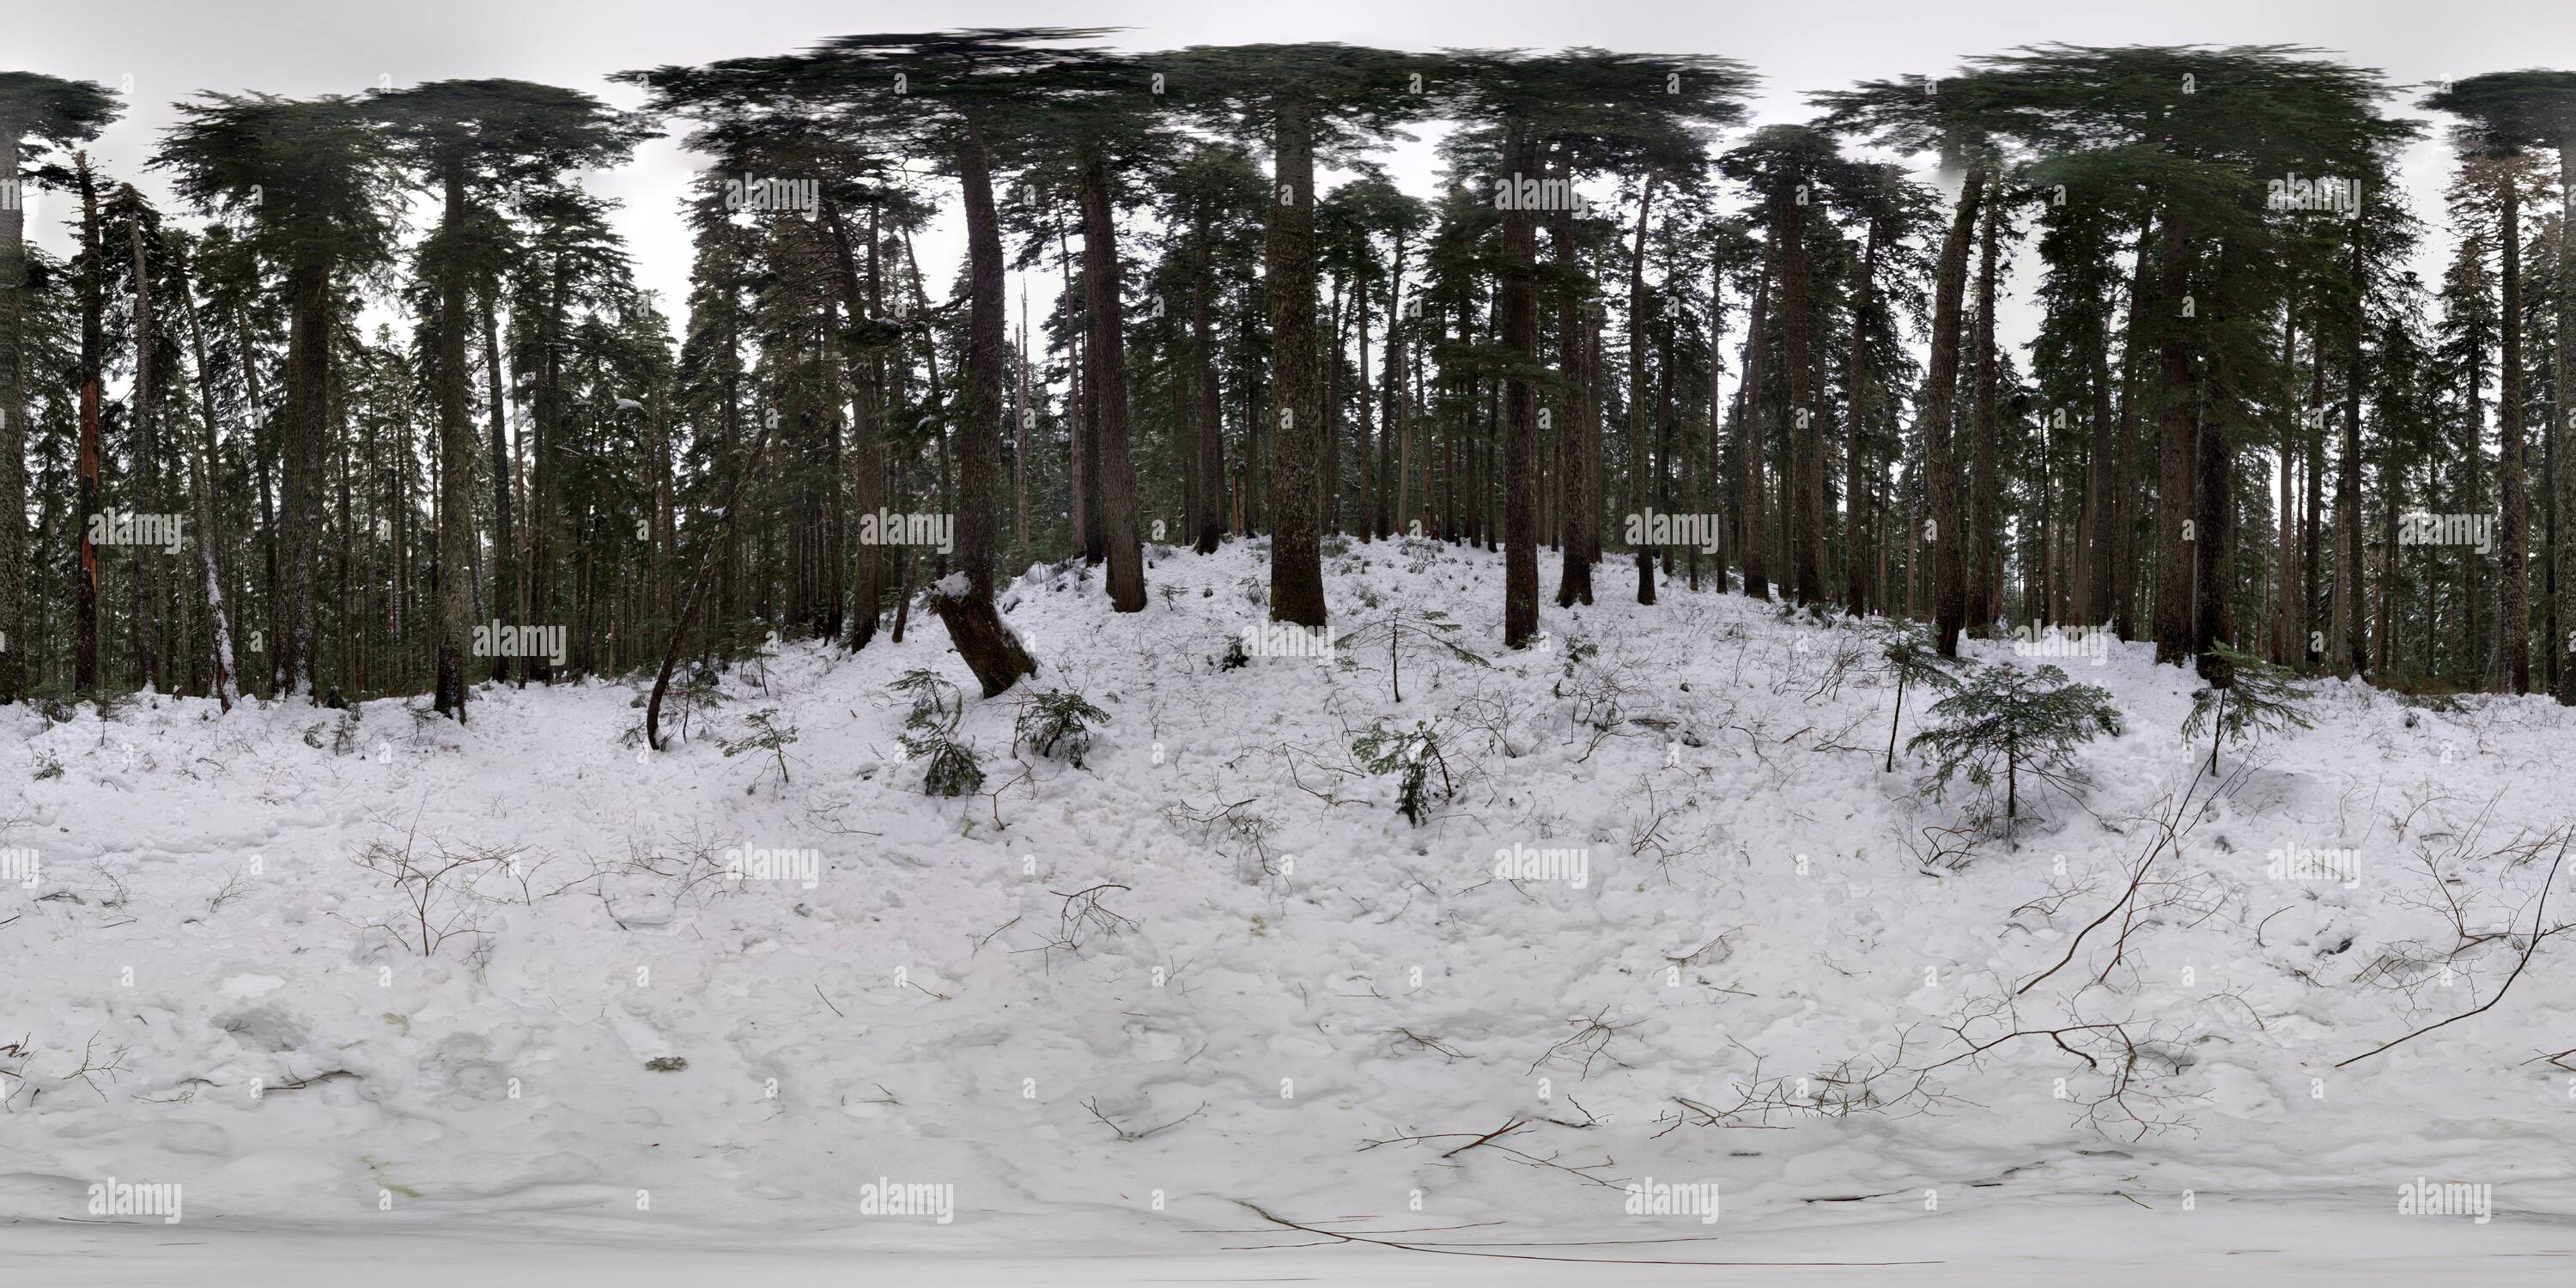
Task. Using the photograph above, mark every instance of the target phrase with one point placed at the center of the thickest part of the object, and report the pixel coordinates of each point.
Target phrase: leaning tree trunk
(707, 561)
(455, 456)
(13, 431)
(1288, 255)
(1940, 397)
(1107, 352)
(1519, 302)
(964, 599)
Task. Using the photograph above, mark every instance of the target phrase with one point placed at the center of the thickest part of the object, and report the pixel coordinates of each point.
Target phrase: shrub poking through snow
(2246, 697)
(1055, 721)
(1404, 630)
(2021, 722)
(930, 734)
(1409, 754)
(764, 734)
(1907, 649)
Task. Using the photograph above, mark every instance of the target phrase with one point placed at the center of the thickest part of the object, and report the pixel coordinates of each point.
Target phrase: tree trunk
(1940, 393)
(1107, 352)
(2562, 427)
(14, 677)
(455, 455)
(2175, 567)
(964, 600)
(1751, 534)
(210, 535)
(85, 672)
(1639, 498)
(1519, 286)
(1288, 256)
(2513, 588)
(1985, 518)
(1855, 416)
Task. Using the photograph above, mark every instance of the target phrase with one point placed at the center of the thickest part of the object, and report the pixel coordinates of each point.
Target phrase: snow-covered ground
(1743, 962)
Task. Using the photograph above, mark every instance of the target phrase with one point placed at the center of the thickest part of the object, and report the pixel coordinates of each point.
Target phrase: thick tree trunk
(1519, 286)
(1805, 520)
(1107, 351)
(1639, 498)
(867, 470)
(206, 477)
(2351, 632)
(1211, 413)
(85, 671)
(2562, 428)
(2176, 568)
(1288, 257)
(505, 538)
(1855, 417)
(964, 600)
(2513, 587)
(1985, 517)
(1752, 535)
(14, 671)
(455, 456)
(1946, 536)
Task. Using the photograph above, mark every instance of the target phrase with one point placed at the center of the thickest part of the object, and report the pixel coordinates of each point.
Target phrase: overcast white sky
(157, 51)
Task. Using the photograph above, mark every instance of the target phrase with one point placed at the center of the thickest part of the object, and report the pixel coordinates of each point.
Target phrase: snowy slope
(1281, 969)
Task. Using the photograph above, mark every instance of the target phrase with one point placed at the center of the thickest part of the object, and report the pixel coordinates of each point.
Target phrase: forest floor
(1208, 1007)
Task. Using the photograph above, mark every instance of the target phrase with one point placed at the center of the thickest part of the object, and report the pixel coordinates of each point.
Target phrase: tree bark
(1288, 254)
(1940, 398)
(1107, 351)
(991, 651)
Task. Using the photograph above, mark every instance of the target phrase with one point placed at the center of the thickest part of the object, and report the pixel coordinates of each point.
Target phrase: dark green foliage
(2247, 697)
(1056, 720)
(1410, 755)
(931, 734)
(1910, 655)
(2021, 722)
(765, 734)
